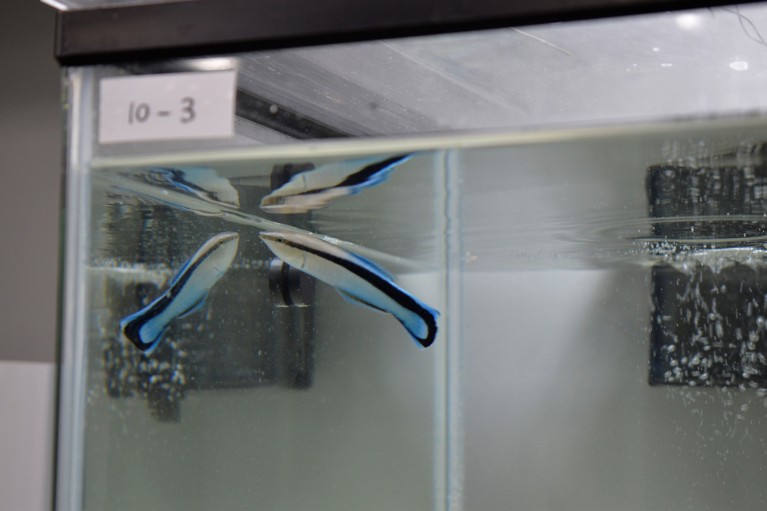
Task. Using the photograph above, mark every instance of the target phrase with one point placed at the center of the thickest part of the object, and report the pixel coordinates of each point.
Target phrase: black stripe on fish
(133, 329)
(361, 176)
(383, 285)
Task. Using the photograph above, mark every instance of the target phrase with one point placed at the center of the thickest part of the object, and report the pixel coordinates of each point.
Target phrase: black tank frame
(188, 28)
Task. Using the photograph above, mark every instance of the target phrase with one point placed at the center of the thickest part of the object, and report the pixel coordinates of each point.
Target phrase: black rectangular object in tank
(709, 319)
(708, 326)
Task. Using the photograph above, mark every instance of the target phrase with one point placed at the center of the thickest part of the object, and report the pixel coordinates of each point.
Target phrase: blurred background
(30, 174)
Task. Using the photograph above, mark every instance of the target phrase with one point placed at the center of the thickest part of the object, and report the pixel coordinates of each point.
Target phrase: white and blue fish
(356, 279)
(202, 182)
(186, 294)
(314, 189)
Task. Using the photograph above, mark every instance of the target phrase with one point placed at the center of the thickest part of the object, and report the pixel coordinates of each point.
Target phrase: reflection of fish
(314, 189)
(186, 294)
(203, 182)
(356, 279)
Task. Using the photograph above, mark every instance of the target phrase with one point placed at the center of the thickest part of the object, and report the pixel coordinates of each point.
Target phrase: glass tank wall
(513, 269)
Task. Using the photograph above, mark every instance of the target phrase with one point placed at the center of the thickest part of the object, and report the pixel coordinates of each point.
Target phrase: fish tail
(421, 325)
(144, 332)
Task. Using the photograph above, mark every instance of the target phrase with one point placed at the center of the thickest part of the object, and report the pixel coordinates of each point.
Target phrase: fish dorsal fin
(355, 300)
(374, 267)
(179, 273)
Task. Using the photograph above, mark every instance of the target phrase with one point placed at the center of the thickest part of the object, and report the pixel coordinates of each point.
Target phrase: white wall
(26, 439)
(30, 167)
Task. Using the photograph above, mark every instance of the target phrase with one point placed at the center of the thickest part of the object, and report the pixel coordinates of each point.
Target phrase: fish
(186, 292)
(202, 182)
(356, 279)
(315, 189)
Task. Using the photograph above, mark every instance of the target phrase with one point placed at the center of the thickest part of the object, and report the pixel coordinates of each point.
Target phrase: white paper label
(167, 107)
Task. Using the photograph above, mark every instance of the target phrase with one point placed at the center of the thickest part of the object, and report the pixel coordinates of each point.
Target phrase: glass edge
(71, 390)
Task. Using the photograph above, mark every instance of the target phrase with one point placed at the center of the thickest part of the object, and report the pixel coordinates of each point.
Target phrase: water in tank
(514, 269)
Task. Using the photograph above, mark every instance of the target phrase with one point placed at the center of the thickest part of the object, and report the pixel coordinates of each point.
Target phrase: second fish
(356, 279)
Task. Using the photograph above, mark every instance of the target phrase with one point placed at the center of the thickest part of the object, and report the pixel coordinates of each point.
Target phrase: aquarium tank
(515, 259)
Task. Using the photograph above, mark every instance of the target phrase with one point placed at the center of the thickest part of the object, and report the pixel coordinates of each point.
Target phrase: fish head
(287, 205)
(274, 200)
(223, 248)
(271, 202)
(287, 246)
(292, 204)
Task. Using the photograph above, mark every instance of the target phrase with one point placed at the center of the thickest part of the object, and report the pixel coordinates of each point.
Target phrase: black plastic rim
(206, 27)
